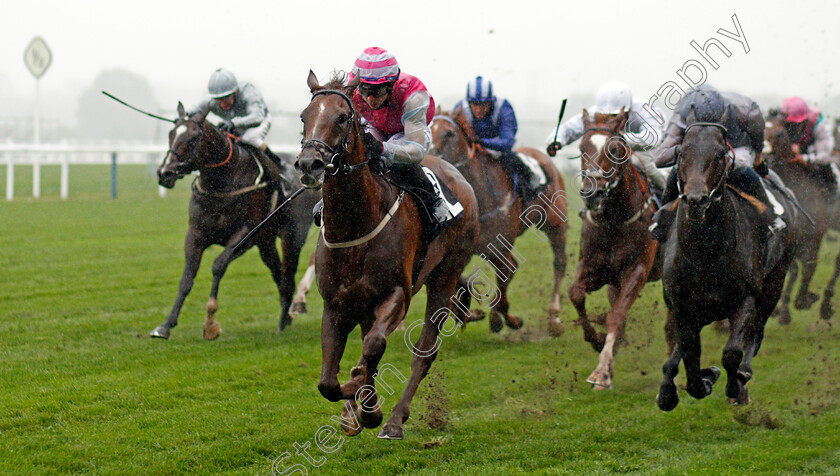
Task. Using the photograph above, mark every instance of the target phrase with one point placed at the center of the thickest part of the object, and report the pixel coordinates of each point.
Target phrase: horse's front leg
(632, 282)
(212, 329)
(581, 285)
(505, 267)
(740, 326)
(826, 308)
(668, 398)
(293, 238)
(193, 251)
(388, 316)
(699, 383)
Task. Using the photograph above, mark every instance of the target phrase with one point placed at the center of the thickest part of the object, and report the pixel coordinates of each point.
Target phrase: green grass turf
(84, 390)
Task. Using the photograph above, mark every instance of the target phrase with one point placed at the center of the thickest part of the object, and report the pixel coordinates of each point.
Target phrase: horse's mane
(337, 81)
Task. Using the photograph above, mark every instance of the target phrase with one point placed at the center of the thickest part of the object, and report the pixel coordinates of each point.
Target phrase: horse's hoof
(350, 422)
(476, 315)
(599, 382)
(160, 332)
(496, 322)
(805, 301)
(712, 374)
(667, 399)
(297, 308)
(391, 431)
(784, 317)
(555, 327)
(371, 419)
(212, 332)
(513, 322)
(743, 398)
(285, 321)
(826, 310)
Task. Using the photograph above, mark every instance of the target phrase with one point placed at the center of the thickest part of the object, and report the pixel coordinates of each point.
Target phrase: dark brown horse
(716, 265)
(616, 249)
(503, 215)
(368, 256)
(230, 197)
(811, 192)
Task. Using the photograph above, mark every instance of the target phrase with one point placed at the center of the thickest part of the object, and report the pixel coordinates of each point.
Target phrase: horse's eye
(342, 118)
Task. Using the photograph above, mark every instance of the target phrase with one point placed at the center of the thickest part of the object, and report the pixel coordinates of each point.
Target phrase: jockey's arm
(644, 130)
(411, 146)
(820, 150)
(255, 110)
(507, 130)
(666, 154)
(567, 132)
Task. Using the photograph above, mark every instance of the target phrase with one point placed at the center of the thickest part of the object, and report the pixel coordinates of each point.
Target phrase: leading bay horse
(368, 255)
(229, 198)
(813, 195)
(503, 214)
(616, 249)
(718, 264)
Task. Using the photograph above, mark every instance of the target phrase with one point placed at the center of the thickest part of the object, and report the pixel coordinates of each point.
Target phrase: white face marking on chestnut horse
(598, 140)
(179, 131)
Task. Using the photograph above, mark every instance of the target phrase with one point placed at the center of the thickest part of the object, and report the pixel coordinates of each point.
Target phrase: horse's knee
(374, 346)
(330, 390)
(732, 358)
(576, 293)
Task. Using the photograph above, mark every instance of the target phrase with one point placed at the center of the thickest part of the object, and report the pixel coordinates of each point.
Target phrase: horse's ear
(181, 111)
(623, 116)
(354, 83)
(438, 110)
(312, 82)
(203, 113)
(585, 117)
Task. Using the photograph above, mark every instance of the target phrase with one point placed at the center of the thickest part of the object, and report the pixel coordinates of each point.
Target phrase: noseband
(713, 194)
(322, 148)
(599, 173)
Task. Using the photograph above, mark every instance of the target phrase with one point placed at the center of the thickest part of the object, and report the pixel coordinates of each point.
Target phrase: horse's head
(184, 143)
(604, 155)
(330, 127)
(452, 138)
(703, 163)
(777, 142)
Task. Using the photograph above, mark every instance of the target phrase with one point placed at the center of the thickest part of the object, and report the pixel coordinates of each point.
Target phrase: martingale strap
(369, 236)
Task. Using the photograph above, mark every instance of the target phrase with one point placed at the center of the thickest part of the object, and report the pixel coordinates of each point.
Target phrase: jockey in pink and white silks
(812, 140)
(396, 110)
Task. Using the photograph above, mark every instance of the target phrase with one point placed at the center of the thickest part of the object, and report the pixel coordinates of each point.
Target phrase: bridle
(186, 166)
(323, 149)
(599, 173)
(713, 194)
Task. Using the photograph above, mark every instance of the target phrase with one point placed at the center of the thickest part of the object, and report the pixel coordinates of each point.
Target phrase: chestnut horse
(616, 248)
(811, 192)
(230, 197)
(503, 213)
(716, 266)
(368, 255)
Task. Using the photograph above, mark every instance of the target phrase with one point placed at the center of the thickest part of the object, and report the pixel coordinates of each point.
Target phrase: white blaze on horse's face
(599, 140)
(179, 131)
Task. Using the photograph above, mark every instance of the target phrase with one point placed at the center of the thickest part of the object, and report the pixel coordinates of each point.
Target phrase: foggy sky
(535, 52)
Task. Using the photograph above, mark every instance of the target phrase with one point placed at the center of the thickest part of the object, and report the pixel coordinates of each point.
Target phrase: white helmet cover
(222, 83)
(612, 96)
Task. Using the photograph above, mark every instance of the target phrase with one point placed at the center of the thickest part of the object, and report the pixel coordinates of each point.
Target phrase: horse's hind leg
(783, 310)
(192, 253)
(212, 329)
(293, 241)
(505, 267)
(806, 298)
(303, 287)
(826, 309)
(557, 238)
(269, 256)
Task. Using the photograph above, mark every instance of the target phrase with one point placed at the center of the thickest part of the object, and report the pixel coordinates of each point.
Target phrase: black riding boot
(527, 183)
(748, 181)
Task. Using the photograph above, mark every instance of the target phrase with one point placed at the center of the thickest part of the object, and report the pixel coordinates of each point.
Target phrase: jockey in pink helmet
(396, 110)
(812, 140)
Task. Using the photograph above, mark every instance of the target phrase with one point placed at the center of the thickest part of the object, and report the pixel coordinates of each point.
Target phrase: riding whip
(262, 223)
(560, 119)
(138, 110)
